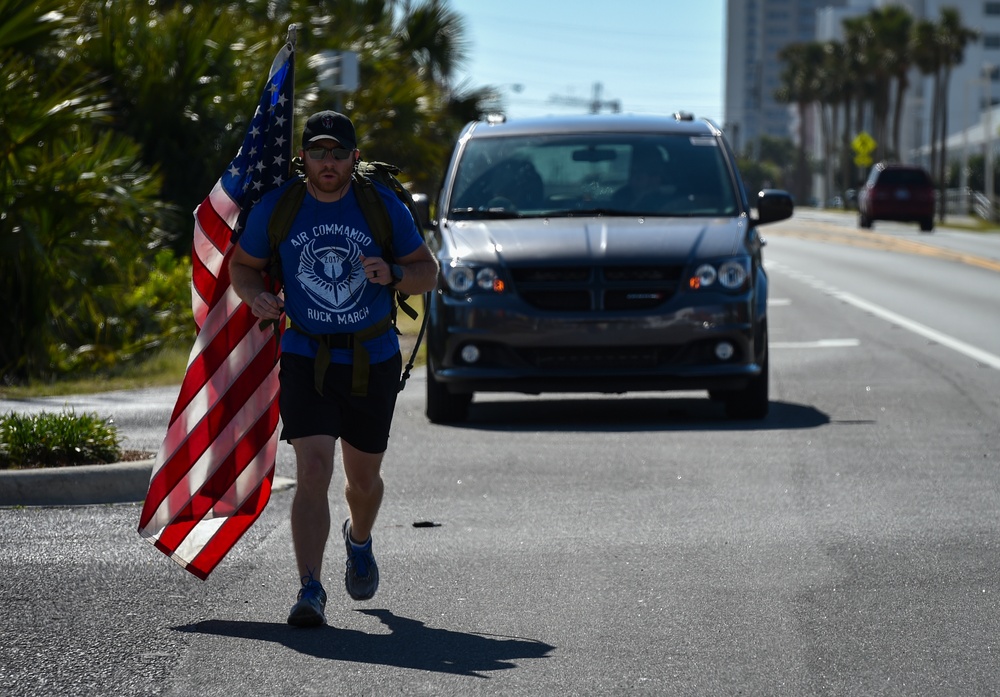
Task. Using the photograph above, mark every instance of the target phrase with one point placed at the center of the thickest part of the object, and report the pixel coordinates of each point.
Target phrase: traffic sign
(864, 144)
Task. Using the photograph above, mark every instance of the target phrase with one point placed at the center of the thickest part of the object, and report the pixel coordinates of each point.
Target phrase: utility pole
(595, 103)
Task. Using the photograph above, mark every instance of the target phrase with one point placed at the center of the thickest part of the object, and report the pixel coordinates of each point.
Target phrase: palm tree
(76, 201)
(800, 85)
(878, 42)
(834, 94)
(893, 29)
(953, 39)
(435, 37)
(861, 55)
(929, 59)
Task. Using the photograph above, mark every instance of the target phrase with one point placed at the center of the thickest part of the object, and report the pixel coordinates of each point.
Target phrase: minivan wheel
(443, 407)
(753, 401)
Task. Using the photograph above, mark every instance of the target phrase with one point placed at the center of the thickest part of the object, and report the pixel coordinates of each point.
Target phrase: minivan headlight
(459, 278)
(704, 276)
(463, 280)
(732, 274)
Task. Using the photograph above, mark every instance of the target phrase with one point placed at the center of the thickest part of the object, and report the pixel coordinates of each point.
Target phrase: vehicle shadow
(630, 414)
(409, 644)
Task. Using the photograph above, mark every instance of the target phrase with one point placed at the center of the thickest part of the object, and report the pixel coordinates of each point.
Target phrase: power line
(595, 103)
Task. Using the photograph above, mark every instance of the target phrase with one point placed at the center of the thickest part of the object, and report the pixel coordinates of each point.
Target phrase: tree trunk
(803, 184)
(897, 117)
(846, 158)
(943, 164)
(935, 119)
(829, 117)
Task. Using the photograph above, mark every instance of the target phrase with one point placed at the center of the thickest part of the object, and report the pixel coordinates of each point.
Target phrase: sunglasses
(320, 153)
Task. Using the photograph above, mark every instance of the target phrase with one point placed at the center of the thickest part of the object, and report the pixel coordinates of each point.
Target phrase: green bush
(56, 440)
(152, 315)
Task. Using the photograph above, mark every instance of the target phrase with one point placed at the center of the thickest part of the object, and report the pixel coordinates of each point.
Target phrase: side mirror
(774, 205)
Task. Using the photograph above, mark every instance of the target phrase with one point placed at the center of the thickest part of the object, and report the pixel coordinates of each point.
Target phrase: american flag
(213, 472)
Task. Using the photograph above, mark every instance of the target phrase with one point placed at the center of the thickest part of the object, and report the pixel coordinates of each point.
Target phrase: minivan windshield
(593, 174)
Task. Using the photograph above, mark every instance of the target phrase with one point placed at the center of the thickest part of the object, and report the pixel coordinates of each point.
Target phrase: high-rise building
(756, 31)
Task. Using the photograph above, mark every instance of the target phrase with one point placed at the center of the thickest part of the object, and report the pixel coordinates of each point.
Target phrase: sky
(652, 56)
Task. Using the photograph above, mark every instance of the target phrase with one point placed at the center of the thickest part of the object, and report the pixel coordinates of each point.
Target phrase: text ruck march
(213, 473)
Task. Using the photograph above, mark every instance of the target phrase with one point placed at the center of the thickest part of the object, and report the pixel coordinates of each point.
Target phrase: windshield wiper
(584, 212)
(483, 214)
(632, 213)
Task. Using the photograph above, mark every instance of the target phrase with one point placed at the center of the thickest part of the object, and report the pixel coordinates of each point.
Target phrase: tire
(927, 225)
(752, 402)
(443, 407)
(864, 221)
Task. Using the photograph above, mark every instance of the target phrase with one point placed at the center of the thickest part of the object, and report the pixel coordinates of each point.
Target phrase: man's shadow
(410, 644)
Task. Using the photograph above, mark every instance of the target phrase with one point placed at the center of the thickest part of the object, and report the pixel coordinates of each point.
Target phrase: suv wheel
(864, 221)
(753, 401)
(927, 224)
(443, 407)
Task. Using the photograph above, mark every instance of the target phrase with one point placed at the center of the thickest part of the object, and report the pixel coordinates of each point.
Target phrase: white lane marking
(822, 343)
(779, 302)
(976, 354)
(973, 352)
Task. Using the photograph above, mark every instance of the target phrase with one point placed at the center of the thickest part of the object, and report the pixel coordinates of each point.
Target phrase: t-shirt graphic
(332, 275)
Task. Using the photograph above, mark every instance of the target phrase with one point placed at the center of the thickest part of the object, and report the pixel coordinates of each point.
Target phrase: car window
(627, 174)
(904, 177)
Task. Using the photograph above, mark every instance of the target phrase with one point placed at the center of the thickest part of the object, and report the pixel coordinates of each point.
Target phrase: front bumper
(521, 349)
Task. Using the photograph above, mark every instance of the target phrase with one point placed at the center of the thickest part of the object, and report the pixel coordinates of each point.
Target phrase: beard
(330, 181)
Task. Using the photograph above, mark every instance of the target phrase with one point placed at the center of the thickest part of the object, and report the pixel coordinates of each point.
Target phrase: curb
(121, 482)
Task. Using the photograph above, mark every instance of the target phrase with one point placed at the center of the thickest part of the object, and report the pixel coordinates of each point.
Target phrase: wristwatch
(396, 271)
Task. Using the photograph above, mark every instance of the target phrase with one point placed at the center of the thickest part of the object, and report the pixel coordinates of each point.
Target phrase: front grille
(606, 358)
(597, 289)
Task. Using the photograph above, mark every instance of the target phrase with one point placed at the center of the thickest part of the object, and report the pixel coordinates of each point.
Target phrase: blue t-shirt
(326, 291)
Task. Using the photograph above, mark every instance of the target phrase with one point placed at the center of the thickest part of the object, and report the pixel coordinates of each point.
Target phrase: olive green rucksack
(380, 224)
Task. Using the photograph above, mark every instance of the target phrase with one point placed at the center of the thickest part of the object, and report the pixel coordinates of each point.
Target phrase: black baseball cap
(330, 124)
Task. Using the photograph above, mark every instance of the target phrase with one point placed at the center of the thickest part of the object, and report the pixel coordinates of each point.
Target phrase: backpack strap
(280, 224)
(278, 227)
(360, 369)
(375, 212)
(377, 216)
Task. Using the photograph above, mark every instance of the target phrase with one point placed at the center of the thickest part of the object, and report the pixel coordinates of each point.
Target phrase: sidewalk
(85, 485)
(121, 482)
(958, 234)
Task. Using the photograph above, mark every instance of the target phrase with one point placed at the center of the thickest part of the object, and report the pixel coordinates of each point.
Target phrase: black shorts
(361, 421)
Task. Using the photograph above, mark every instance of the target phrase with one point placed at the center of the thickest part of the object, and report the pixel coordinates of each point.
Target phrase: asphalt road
(641, 544)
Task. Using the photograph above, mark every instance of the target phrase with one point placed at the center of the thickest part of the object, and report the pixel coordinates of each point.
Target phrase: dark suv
(898, 192)
(598, 254)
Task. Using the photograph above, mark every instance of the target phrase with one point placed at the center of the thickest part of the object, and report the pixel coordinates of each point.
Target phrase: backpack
(377, 216)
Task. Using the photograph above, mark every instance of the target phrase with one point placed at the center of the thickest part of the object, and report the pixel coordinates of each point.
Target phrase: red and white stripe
(213, 472)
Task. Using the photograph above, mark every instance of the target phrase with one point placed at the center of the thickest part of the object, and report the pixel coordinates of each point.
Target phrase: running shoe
(308, 611)
(361, 575)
